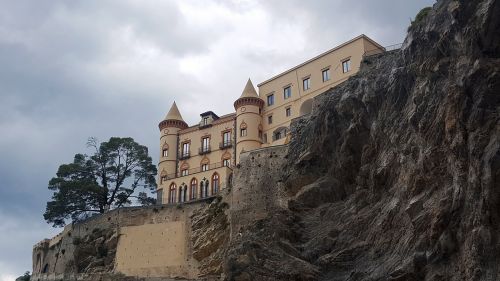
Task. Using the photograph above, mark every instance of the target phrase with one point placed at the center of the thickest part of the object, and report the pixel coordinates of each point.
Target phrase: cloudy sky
(74, 69)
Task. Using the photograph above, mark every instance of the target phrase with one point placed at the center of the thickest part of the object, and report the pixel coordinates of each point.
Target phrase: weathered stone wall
(257, 188)
(138, 241)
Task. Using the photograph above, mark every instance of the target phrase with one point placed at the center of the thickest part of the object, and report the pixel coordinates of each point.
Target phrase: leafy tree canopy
(117, 171)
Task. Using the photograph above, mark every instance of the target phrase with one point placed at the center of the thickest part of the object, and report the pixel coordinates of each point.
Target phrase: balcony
(204, 150)
(225, 144)
(185, 155)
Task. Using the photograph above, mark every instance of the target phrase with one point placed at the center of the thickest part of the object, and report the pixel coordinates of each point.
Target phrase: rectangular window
(288, 112)
(205, 144)
(185, 149)
(265, 138)
(165, 153)
(270, 99)
(260, 134)
(205, 121)
(306, 84)
(326, 74)
(226, 163)
(185, 172)
(226, 138)
(287, 92)
(204, 167)
(243, 132)
(346, 66)
(269, 119)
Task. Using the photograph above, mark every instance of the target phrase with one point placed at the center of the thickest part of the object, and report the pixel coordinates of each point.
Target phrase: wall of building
(224, 181)
(352, 50)
(148, 242)
(194, 135)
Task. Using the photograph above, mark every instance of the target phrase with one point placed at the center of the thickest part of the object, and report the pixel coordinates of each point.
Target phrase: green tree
(107, 179)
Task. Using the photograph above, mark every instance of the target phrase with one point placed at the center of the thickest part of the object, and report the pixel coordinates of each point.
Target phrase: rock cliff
(396, 173)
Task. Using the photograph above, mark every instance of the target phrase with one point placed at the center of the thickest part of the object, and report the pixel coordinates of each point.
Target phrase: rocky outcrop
(210, 237)
(396, 173)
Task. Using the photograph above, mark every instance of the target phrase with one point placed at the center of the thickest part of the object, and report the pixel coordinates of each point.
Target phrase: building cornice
(248, 101)
(362, 36)
(172, 123)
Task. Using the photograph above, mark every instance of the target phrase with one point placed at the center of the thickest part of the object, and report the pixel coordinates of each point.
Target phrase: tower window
(306, 84)
(346, 66)
(326, 74)
(270, 99)
(205, 121)
(243, 132)
(287, 92)
(185, 172)
(270, 119)
(226, 163)
(288, 111)
(165, 152)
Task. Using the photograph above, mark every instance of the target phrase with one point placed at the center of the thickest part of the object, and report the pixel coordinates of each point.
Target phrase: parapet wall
(136, 241)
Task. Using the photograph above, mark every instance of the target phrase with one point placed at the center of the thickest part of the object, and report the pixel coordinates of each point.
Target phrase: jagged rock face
(210, 228)
(396, 173)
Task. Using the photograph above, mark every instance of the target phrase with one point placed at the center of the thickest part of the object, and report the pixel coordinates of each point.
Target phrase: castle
(196, 161)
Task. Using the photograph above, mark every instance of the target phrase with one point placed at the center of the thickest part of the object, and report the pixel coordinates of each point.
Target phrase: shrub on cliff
(95, 184)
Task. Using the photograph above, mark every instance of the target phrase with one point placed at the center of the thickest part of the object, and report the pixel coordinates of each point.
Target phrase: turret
(248, 120)
(169, 128)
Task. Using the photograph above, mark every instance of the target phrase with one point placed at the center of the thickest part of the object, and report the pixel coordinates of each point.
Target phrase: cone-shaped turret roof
(249, 91)
(173, 113)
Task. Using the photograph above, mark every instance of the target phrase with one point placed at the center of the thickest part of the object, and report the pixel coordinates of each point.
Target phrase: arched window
(215, 184)
(171, 197)
(194, 189)
(163, 177)
(182, 193)
(164, 151)
(204, 188)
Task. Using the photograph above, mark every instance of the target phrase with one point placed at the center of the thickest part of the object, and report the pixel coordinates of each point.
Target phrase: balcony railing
(225, 144)
(198, 170)
(204, 150)
(378, 51)
(184, 155)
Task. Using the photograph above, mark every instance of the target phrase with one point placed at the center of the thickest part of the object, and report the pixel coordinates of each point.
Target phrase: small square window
(270, 119)
(306, 84)
(346, 66)
(326, 74)
(288, 112)
(287, 92)
(270, 99)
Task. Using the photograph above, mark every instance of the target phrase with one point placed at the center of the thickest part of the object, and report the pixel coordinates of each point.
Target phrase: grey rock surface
(396, 173)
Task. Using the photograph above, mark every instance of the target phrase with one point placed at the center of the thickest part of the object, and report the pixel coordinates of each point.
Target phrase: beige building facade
(196, 161)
